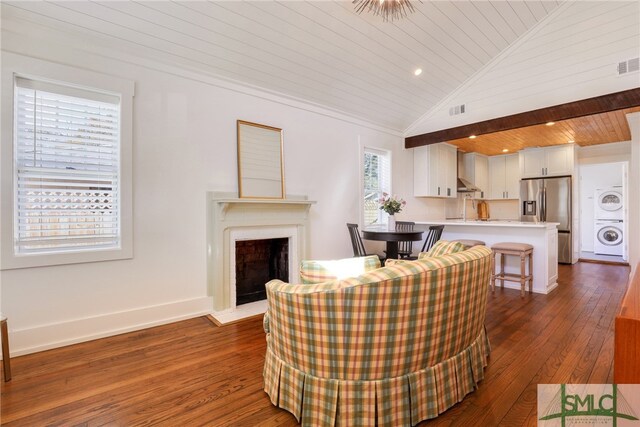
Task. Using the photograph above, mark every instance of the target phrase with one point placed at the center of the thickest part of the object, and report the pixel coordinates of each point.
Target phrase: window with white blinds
(67, 166)
(377, 180)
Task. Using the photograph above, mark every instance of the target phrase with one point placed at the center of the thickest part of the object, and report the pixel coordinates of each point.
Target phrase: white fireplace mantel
(229, 217)
(278, 204)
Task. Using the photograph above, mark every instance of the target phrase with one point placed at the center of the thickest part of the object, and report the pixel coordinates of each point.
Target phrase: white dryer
(609, 237)
(609, 204)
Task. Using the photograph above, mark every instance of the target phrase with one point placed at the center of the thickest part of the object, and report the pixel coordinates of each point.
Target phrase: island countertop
(490, 223)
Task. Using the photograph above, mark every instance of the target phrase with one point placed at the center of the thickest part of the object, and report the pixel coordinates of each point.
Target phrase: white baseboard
(45, 337)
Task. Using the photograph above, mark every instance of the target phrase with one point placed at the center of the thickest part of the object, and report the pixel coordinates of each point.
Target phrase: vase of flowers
(391, 205)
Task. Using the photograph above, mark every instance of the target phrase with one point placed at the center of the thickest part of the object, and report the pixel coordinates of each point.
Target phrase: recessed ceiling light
(550, 123)
(571, 141)
(472, 137)
(505, 150)
(418, 71)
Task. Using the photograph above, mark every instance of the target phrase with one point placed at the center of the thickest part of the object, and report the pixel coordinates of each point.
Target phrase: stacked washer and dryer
(609, 217)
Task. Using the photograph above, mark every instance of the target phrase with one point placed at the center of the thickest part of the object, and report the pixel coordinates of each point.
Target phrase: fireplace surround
(231, 219)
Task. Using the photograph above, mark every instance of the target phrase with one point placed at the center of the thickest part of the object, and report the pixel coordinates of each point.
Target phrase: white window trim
(18, 65)
(362, 150)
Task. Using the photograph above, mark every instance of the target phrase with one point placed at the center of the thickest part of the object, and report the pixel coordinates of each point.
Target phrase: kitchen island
(543, 237)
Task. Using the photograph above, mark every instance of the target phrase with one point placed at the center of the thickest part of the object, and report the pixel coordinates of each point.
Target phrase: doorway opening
(603, 208)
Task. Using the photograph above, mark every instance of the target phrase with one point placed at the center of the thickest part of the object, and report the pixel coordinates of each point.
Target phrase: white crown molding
(449, 99)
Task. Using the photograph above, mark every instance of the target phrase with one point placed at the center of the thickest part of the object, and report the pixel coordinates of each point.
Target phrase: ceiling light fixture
(418, 71)
(505, 150)
(390, 10)
(570, 141)
(550, 123)
(472, 137)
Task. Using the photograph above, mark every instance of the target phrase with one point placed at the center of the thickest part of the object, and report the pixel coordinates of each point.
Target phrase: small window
(67, 168)
(377, 180)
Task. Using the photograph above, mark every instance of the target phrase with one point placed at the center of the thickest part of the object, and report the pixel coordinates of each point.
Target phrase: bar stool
(4, 334)
(469, 243)
(517, 249)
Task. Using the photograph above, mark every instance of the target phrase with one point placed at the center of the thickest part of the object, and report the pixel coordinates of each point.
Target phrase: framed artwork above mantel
(260, 161)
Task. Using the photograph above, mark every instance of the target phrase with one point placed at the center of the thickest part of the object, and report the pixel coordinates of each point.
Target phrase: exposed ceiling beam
(585, 107)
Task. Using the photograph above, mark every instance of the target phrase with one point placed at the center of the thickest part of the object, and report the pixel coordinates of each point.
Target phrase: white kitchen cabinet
(496, 177)
(450, 171)
(532, 162)
(548, 161)
(512, 176)
(504, 177)
(476, 170)
(559, 160)
(435, 171)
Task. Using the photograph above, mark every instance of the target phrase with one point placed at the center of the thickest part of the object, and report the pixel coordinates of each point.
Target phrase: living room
(182, 146)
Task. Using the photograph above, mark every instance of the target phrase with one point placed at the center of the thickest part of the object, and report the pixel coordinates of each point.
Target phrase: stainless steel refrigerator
(549, 200)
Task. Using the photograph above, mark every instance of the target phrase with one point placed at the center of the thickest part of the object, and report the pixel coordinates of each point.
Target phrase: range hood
(465, 186)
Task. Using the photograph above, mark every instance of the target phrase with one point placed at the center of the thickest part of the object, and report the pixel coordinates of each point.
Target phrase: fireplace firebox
(257, 262)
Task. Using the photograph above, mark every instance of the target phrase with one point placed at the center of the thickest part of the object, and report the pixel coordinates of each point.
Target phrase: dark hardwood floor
(194, 373)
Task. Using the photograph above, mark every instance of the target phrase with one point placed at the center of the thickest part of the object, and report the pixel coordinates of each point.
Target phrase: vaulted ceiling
(321, 52)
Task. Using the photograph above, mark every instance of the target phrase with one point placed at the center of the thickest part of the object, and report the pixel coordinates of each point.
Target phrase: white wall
(184, 146)
(605, 153)
(592, 177)
(571, 55)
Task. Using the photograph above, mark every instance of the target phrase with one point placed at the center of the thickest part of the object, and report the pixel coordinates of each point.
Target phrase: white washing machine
(609, 204)
(609, 239)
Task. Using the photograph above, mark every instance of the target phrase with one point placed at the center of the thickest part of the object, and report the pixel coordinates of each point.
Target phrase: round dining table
(391, 237)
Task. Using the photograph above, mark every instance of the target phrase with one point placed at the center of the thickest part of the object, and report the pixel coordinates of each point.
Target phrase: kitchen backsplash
(504, 209)
(498, 209)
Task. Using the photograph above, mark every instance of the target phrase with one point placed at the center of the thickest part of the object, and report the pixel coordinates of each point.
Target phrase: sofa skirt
(400, 401)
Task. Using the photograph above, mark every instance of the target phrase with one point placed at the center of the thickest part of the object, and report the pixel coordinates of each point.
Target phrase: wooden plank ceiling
(589, 130)
(318, 51)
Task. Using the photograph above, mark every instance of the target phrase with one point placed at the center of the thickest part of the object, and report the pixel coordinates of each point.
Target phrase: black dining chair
(435, 231)
(356, 240)
(356, 243)
(405, 247)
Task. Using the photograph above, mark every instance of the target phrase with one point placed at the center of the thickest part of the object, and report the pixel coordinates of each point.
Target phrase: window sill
(11, 261)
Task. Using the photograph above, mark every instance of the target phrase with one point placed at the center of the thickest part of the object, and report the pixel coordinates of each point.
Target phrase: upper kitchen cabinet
(434, 171)
(476, 170)
(548, 161)
(504, 177)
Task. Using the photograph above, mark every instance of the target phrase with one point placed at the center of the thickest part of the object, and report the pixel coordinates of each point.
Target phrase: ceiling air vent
(457, 109)
(629, 66)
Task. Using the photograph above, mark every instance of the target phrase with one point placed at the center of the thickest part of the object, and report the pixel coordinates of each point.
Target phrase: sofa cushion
(442, 247)
(314, 271)
(391, 261)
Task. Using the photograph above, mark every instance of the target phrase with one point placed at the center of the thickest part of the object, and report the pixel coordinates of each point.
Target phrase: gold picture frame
(260, 161)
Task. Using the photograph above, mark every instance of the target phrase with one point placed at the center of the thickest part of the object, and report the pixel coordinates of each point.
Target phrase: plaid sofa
(394, 346)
